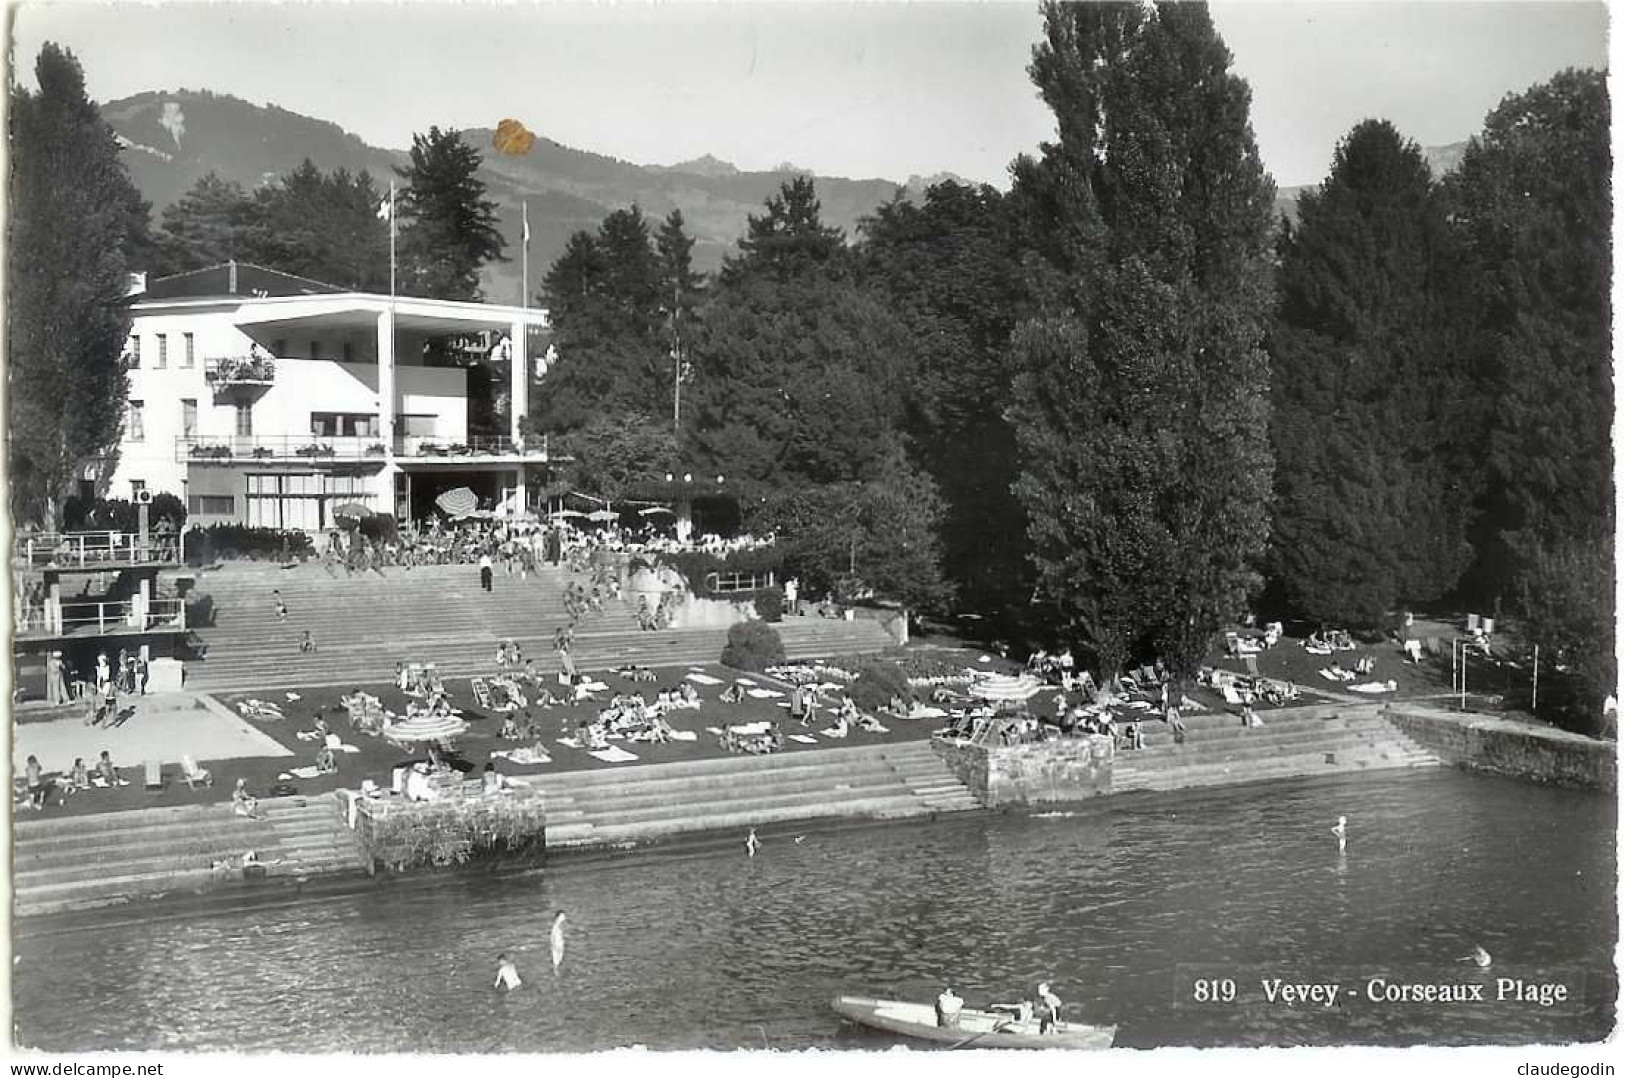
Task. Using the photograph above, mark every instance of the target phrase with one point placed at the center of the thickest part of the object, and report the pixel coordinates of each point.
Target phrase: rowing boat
(975, 1029)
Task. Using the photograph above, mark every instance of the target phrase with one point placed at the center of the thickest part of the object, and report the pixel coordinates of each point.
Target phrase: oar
(977, 1036)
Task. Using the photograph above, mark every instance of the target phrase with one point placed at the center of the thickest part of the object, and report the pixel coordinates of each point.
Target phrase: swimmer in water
(557, 939)
(1480, 958)
(752, 843)
(1341, 831)
(507, 974)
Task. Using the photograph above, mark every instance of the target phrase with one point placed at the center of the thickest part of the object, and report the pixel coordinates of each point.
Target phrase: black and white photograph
(811, 535)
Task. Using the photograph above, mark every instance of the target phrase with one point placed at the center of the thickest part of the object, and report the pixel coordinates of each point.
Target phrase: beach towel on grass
(804, 739)
(704, 679)
(1376, 686)
(595, 686)
(570, 742)
(612, 755)
(926, 713)
(743, 681)
(764, 694)
(684, 735)
(305, 772)
(833, 733)
(293, 696)
(715, 731)
(101, 783)
(525, 755)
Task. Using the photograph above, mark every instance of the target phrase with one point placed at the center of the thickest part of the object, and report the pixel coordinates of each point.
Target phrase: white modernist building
(268, 399)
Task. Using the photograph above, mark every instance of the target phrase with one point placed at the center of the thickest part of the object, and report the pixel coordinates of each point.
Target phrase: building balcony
(133, 617)
(239, 372)
(94, 550)
(291, 448)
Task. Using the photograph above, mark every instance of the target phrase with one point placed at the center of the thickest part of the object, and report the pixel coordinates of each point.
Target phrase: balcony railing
(95, 550)
(200, 449)
(426, 445)
(223, 372)
(101, 618)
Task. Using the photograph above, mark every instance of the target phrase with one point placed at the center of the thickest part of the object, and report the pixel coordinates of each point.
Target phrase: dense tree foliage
(1532, 205)
(950, 269)
(608, 297)
(72, 207)
(448, 228)
(1141, 402)
(321, 226)
(1373, 492)
(616, 454)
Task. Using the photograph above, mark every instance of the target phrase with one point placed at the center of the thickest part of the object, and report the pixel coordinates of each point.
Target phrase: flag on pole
(384, 213)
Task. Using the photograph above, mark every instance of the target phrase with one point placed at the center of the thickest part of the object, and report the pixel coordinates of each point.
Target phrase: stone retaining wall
(407, 835)
(1065, 769)
(1519, 750)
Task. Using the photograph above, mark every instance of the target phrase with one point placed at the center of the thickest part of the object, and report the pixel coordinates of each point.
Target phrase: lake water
(1121, 905)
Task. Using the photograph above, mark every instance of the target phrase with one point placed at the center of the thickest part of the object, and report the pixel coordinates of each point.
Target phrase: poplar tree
(448, 228)
(72, 209)
(1141, 398)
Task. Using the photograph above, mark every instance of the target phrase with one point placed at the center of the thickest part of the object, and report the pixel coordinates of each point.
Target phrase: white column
(518, 380)
(386, 380)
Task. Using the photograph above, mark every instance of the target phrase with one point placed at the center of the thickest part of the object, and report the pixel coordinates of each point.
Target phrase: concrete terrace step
(1264, 772)
(585, 835)
(697, 808)
(700, 789)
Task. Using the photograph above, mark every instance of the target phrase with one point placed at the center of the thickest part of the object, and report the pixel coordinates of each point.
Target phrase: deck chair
(1231, 696)
(193, 775)
(482, 693)
(155, 774)
(1472, 623)
(1251, 662)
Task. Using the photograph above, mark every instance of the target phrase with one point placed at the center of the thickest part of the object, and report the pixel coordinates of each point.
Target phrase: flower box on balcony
(376, 449)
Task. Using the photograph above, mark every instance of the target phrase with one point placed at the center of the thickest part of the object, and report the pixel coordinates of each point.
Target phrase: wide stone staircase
(80, 861)
(1293, 743)
(364, 624)
(610, 809)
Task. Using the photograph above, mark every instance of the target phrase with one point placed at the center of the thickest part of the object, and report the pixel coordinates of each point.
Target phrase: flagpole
(524, 254)
(392, 241)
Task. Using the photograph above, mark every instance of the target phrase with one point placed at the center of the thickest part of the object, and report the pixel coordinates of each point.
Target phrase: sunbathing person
(510, 729)
(106, 771)
(79, 777)
(840, 729)
(326, 762)
(871, 724)
(244, 803)
(690, 696)
(733, 694)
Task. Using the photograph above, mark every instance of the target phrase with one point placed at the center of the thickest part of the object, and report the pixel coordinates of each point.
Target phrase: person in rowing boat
(948, 1008)
(1049, 1009)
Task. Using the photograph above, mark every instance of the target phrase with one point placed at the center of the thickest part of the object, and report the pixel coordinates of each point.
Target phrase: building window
(419, 425)
(136, 423)
(216, 505)
(189, 356)
(349, 351)
(163, 352)
(344, 424)
(245, 419)
(135, 352)
(188, 415)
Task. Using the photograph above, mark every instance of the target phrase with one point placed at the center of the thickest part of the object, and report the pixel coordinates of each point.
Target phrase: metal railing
(731, 583)
(79, 550)
(222, 371)
(427, 445)
(102, 618)
(201, 449)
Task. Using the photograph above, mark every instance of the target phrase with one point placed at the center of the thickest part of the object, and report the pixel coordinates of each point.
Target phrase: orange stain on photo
(513, 137)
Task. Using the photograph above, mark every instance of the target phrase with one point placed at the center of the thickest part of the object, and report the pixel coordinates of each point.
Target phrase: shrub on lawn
(753, 645)
(770, 604)
(877, 683)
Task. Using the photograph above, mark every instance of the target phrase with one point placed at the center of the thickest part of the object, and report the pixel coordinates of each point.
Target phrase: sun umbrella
(1024, 687)
(459, 502)
(564, 514)
(603, 514)
(652, 510)
(353, 510)
(427, 728)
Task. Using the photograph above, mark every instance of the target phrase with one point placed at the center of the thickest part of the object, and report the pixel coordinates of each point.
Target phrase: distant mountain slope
(173, 139)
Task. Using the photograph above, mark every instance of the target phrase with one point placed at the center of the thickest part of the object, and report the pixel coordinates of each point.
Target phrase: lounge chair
(1251, 662)
(155, 774)
(192, 774)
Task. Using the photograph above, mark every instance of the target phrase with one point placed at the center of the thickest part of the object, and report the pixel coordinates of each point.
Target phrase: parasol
(352, 511)
(564, 514)
(652, 510)
(1024, 687)
(603, 515)
(458, 503)
(427, 728)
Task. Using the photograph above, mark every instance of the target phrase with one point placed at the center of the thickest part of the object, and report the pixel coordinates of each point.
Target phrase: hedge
(229, 541)
(697, 565)
(877, 682)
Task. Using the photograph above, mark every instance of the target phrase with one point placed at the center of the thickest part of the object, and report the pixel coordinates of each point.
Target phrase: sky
(861, 90)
